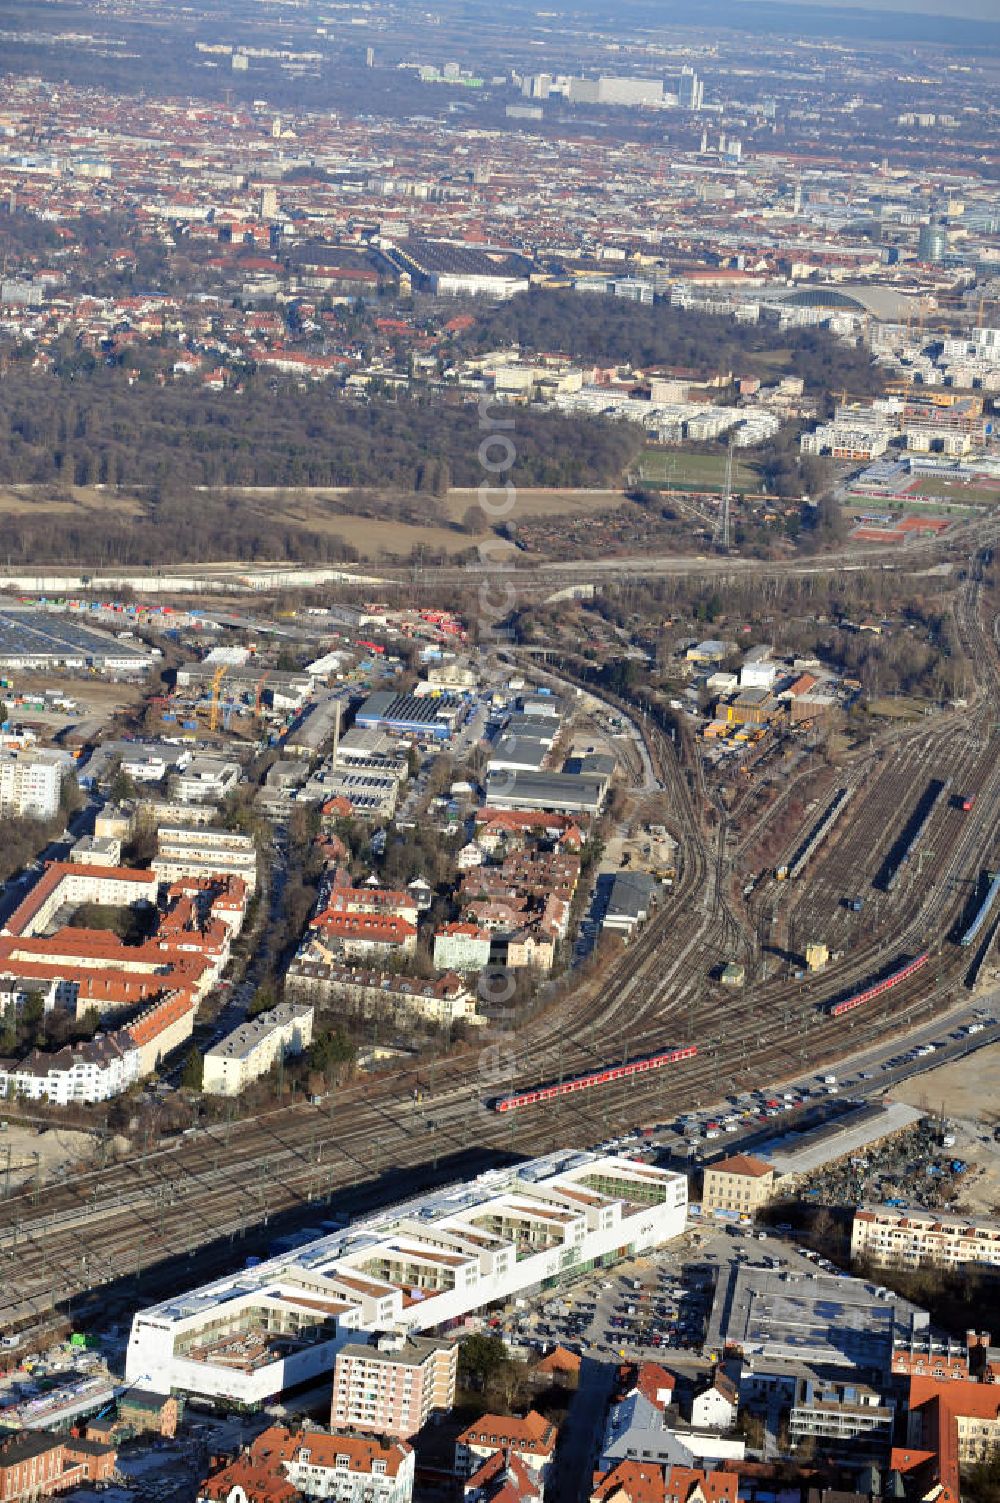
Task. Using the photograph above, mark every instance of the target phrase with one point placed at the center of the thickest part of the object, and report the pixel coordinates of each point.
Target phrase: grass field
(34, 501)
(956, 491)
(695, 472)
(911, 506)
(307, 508)
(374, 537)
(899, 707)
(533, 502)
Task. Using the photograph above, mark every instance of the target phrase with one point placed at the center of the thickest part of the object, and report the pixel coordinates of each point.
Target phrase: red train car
(604, 1076)
(902, 973)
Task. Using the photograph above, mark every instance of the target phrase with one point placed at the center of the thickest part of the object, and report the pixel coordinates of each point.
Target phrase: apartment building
(96, 850)
(381, 995)
(345, 1468)
(78, 969)
(532, 1438)
(652, 1482)
(358, 936)
(951, 1423)
(410, 1268)
(251, 1049)
(461, 947)
(31, 782)
(838, 1414)
(916, 1238)
(88, 1071)
(183, 853)
(741, 1183)
(393, 1385)
(502, 1478)
(383, 902)
(161, 1028)
(924, 1354)
(66, 883)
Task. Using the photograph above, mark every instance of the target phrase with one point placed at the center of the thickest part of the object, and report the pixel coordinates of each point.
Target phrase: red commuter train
(893, 979)
(606, 1075)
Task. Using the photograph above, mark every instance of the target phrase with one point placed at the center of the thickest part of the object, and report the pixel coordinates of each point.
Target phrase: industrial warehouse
(35, 639)
(411, 1268)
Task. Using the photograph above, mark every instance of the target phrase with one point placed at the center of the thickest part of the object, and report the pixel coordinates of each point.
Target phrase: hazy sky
(979, 10)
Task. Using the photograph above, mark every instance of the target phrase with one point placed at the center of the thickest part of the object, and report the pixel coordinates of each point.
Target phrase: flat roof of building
(34, 634)
(815, 1319)
(243, 1040)
(803, 1153)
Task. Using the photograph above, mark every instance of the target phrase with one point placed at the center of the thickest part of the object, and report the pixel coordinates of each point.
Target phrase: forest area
(179, 449)
(93, 427)
(608, 329)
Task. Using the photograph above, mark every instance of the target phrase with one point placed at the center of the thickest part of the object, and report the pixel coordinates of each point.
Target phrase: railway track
(116, 1221)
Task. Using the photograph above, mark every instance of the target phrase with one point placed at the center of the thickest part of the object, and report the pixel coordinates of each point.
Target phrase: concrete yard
(57, 1149)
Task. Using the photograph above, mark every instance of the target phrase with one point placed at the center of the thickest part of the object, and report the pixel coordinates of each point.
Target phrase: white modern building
(410, 1268)
(205, 780)
(251, 1049)
(31, 781)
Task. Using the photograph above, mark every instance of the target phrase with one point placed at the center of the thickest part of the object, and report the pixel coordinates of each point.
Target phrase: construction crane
(217, 677)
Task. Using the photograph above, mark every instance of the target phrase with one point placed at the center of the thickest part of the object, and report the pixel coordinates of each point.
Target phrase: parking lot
(655, 1307)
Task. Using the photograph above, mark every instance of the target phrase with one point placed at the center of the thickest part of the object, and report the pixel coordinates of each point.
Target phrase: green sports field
(681, 471)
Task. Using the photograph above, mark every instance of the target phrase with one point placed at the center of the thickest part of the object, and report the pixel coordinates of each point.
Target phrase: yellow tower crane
(217, 677)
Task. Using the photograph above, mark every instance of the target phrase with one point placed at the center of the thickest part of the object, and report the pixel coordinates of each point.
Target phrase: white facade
(250, 1050)
(712, 1410)
(202, 853)
(461, 947)
(71, 882)
(917, 1238)
(205, 780)
(88, 1072)
(30, 782)
(348, 1483)
(409, 1268)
